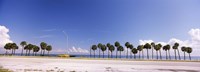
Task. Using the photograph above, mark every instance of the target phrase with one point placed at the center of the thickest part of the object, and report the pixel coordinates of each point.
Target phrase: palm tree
(7, 47)
(94, 47)
(127, 44)
(108, 45)
(30, 47)
(165, 49)
(111, 48)
(99, 46)
(147, 46)
(139, 48)
(153, 45)
(131, 47)
(26, 48)
(36, 49)
(160, 46)
(23, 44)
(177, 44)
(103, 48)
(168, 48)
(49, 48)
(117, 44)
(43, 46)
(156, 47)
(184, 50)
(14, 47)
(121, 49)
(175, 47)
(189, 50)
(134, 51)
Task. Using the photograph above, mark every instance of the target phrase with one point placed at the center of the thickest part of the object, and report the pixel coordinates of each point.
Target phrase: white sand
(82, 65)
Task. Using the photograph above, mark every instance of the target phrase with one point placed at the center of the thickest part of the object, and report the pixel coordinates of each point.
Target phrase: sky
(88, 22)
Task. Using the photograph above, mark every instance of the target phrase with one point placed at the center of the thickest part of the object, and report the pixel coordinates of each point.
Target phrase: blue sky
(89, 22)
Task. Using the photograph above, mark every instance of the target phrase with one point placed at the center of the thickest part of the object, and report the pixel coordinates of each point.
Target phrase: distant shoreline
(85, 58)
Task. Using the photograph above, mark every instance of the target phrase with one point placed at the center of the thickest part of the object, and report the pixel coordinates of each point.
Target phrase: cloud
(75, 50)
(72, 50)
(142, 42)
(4, 36)
(194, 42)
(195, 34)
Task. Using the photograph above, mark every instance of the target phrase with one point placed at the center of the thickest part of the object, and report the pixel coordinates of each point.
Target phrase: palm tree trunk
(103, 54)
(43, 52)
(99, 53)
(130, 54)
(134, 56)
(166, 56)
(169, 55)
(189, 56)
(139, 54)
(94, 53)
(108, 54)
(157, 54)
(14, 52)
(111, 54)
(22, 51)
(48, 53)
(147, 54)
(179, 54)
(160, 54)
(120, 55)
(127, 53)
(184, 55)
(33, 53)
(116, 53)
(29, 52)
(142, 54)
(175, 53)
(152, 52)
(6, 51)
(26, 53)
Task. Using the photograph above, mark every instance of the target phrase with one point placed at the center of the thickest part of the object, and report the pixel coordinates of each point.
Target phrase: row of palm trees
(28, 48)
(134, 50)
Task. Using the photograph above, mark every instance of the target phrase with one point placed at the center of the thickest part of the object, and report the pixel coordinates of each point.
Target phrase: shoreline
(85, 58)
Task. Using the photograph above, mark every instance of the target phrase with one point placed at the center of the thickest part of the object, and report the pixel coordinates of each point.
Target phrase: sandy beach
(23, 64)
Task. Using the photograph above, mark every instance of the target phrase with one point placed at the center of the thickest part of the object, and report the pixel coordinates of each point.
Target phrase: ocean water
(145, 57)
(195, 58)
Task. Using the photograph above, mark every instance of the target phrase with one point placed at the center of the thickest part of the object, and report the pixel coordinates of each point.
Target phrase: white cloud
(75, 50)
(194, 42)
(142, 42)
(4, 36)
(195, 34)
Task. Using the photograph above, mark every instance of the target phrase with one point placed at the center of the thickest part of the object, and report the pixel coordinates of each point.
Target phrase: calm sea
(123, 56)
